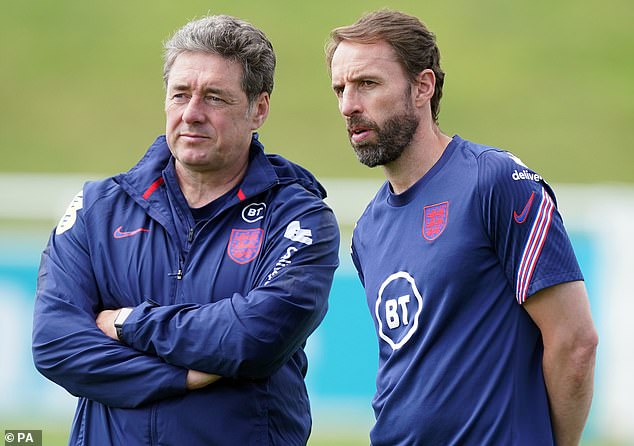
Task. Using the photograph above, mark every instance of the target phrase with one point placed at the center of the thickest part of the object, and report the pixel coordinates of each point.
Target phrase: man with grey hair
(175, 299)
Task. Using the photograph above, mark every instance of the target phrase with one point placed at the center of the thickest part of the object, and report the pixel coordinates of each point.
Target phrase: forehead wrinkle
(361, 60)
(202, 69)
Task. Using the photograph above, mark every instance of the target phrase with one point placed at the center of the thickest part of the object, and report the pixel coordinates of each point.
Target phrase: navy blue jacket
(236, 296)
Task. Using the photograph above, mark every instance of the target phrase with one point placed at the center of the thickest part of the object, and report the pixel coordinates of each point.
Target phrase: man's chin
(373, 156)
(192, 162)
(367, 157)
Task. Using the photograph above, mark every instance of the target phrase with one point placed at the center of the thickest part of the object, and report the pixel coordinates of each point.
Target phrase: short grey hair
(232, 38)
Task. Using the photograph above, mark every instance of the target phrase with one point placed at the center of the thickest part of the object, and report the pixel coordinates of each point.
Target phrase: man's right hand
(198, 380)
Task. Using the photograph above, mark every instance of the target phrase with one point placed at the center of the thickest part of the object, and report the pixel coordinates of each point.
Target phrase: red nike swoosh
(118, 233)
(521, 217)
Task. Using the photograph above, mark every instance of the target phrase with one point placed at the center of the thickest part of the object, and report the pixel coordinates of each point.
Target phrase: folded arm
(70, 350)
(195, 379)
(249, 335)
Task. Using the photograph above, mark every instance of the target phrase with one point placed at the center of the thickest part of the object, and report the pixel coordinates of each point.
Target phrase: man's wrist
(120, 319)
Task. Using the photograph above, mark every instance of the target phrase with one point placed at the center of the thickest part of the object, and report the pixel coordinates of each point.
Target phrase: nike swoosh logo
(118, 233)
(521, 217)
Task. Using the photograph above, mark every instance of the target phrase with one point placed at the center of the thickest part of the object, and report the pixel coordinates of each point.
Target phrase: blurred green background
(552, 81)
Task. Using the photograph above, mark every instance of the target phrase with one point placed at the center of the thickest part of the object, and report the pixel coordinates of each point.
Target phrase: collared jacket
(236, 295)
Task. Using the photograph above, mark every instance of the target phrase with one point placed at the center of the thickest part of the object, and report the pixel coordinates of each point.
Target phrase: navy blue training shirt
(446, 266)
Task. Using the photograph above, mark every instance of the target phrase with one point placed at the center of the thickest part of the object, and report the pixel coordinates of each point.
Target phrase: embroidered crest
(244, 244)
(435, 220)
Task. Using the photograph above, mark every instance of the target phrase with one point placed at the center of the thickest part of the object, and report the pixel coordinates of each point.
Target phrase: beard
(392, 138)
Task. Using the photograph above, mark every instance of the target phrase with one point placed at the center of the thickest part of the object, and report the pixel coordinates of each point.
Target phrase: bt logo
(253, 212)
(397, 309)
(392, 314)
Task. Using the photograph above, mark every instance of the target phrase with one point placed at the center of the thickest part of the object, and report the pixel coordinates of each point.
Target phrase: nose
(349, 103)
(194, 111)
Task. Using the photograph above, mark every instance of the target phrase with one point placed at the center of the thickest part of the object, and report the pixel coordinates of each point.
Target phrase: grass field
(82, 91)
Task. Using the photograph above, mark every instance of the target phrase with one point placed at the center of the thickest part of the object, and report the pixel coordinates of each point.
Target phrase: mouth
(358, 133)
(192, 137)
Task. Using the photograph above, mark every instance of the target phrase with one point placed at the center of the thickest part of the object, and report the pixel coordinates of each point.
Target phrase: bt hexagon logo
(397, 309)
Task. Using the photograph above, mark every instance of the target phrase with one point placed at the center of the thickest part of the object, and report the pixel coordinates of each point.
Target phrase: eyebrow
(184, 86)
(179, 87)
(355, 79)
(207, 90)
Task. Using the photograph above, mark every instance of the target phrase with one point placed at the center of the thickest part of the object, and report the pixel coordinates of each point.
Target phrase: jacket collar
(153, 185)
(140, 180)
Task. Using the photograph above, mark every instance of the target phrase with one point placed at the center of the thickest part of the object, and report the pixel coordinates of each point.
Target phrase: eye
(180, 98)
(367, 83)
(338, 90)
(212, 99)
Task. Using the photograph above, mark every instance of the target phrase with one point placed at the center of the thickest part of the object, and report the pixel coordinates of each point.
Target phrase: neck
(201, 188)
(424, 151)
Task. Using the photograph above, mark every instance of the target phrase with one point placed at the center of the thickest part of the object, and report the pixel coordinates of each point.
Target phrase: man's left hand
(105, 322)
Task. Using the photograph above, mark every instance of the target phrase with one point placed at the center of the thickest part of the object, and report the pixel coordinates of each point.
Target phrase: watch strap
(120, 319)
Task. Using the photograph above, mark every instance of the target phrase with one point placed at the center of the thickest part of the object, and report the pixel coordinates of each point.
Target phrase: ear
(259, 111)
(424, 87)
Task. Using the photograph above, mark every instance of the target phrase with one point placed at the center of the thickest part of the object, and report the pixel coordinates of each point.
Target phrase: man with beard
(484, 324)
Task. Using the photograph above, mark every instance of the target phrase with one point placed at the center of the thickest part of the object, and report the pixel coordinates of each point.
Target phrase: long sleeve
(70, 350)
(252, 334)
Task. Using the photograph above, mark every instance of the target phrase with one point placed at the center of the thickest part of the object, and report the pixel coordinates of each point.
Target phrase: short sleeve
(525, 227)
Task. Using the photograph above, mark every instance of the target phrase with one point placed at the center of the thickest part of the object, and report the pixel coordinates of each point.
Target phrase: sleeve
(527, 231)
(252, 335)
(354, 254)
(68, 347)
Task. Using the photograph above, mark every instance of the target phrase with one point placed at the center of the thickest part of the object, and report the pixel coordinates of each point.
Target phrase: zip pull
(190, 237)
(178, 274)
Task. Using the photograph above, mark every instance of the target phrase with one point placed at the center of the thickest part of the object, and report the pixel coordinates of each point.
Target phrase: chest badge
(244, 244)
(254, 212)
(435, 220)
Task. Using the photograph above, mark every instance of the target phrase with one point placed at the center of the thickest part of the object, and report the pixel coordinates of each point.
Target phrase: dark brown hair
(414, 45)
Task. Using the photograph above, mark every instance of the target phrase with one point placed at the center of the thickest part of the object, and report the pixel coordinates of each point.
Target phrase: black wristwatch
(120, 319)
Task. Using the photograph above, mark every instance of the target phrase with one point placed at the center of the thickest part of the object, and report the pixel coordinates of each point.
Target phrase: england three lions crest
(435, 220)
(244, 244)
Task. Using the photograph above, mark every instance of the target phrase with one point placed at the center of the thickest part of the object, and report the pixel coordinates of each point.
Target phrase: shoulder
(501, 172)
(291, 187)
(492, 163)
(502, 165)
(92, 194)
(289, 173)
(292, 201)
(100, 192)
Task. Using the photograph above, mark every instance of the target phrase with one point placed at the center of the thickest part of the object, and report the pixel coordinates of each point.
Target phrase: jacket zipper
(181, 261)
(179, 274)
